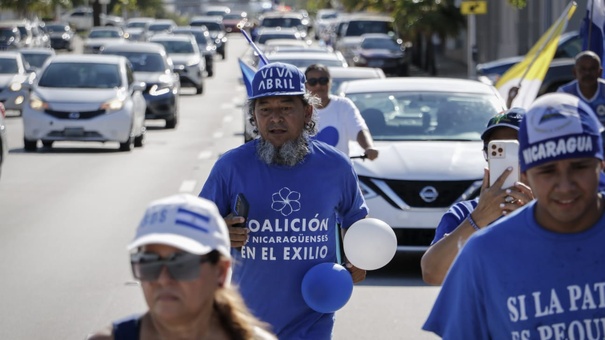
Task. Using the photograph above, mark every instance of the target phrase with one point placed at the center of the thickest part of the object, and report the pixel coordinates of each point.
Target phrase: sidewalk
(446, 67)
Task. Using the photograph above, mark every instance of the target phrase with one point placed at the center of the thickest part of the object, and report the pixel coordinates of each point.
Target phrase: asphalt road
(67, 213)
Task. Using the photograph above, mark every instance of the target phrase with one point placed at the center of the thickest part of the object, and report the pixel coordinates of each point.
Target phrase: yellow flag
(529, 73)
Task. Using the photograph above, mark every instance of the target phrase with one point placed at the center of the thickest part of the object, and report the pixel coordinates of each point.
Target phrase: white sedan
(85, 98)
(428, 132)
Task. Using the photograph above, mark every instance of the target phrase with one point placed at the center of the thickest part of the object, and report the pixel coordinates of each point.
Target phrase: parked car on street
(303, 60)
(428, 132)
(355, 26)
(160, 26)
(91, 98)
(189, 63)
(205, 43)
(570, 44)
(81, 19)
(215, 26)
(339, 75)
(15, 74)
(267, 34)
(383, 51)
(151, 65)
(232, 21)
(61, 35)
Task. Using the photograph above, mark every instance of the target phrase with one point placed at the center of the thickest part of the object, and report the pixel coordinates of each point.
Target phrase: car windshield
(137, 24)
(199, 36)
(36, 59)
(159, 27)
(281, 22)
(103, 34)
(304, 63)
(426, 115)
(357, 28)
(8, 66)
(387, 44)
(176, 47)
(80, 75)
(144, 62)
(57, 28)
(263, 38)
(211, 26)
(6, 34)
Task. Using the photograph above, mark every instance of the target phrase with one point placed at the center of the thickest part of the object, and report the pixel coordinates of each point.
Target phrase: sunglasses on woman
(320, 81)
(180, 266)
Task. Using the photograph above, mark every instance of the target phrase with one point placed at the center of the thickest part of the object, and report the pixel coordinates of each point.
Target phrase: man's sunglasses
(320, 81)
(181, 266)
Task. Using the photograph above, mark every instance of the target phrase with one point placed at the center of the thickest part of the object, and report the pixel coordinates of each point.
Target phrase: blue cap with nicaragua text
(278, 79)
(558, 126)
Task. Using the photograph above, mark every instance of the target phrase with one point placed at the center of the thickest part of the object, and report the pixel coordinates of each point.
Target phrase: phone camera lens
(500, 150)
(494, 153)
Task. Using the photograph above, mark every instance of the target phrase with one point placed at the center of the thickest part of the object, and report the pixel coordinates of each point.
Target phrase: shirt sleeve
(216, 189)
(354, 120)
(354, 206)
(452, 219)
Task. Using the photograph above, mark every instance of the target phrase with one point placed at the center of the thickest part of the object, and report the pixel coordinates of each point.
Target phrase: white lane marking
(187, 186)
(228, 119)
(226, 106)
(206, 154)
(218, 134)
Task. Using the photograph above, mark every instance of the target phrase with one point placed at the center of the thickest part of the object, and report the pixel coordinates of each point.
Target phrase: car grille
(449, 192)
(75, 114)
(85, 134)
(414, 237)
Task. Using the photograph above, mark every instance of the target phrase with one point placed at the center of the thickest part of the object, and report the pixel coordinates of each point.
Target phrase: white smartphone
(502, 154)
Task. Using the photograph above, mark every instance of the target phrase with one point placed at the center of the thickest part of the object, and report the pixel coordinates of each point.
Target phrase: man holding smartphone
(466, 217)
(539, 273)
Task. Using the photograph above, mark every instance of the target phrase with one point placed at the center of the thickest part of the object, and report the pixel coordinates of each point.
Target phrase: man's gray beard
(290, 154)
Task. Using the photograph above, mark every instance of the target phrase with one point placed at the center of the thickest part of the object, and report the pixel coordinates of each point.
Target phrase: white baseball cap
(184, 221)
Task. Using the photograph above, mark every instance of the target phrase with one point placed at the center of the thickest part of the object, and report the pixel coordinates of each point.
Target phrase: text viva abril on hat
(278, 79)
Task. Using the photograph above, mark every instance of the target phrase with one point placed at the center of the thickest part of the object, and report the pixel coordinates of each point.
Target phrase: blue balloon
(327, 287)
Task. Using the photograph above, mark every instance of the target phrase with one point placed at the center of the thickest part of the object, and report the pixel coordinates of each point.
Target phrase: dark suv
(10, 38)
(215, 26)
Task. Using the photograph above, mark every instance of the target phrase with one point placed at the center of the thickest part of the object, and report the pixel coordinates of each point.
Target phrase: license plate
(73, 132)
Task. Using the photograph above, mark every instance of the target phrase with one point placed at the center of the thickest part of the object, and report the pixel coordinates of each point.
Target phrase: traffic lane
(68, 213)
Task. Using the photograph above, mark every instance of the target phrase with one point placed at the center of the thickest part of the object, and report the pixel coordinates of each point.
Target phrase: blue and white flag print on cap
(278, 79)
(558, 126)
(186, 222)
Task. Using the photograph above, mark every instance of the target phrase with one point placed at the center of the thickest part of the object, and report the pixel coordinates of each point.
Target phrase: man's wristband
(472, 222)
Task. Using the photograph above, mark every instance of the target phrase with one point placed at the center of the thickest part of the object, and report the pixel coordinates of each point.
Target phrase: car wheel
(199, 89)
(171, 122)
(30, 145)
(47, 143)
(128, 145)
(223, 55)
(139, 140)
(210, 72)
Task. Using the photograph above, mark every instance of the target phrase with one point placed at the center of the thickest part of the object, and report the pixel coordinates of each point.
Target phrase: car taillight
(2, 110)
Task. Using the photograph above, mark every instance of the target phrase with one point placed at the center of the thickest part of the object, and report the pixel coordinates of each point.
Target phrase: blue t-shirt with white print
(292, 223)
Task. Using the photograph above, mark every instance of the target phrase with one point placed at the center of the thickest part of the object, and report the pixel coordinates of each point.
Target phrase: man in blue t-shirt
(466, 217)
(539, 273)
(297, 189)
(588, 85)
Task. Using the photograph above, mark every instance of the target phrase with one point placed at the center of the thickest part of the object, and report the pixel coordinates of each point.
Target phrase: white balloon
(370, 244)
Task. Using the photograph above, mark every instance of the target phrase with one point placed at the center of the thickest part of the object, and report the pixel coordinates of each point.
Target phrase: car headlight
(37, 104)
(65, 36)
(159, 89)
(360, 60)
(112, 105)
(16, 87)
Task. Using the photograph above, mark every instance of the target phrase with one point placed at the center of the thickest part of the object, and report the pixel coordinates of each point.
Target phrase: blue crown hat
(278, 79)
(558, 126)
(510, 118)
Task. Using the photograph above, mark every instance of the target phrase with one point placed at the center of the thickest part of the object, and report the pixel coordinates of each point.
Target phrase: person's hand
(371, 153)
(490, 199)
(237, 235)
(517, 196)
(357, 273)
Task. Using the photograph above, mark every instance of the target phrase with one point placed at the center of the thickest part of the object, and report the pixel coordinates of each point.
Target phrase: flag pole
(546, 41)
(590, 24)
(256, 49)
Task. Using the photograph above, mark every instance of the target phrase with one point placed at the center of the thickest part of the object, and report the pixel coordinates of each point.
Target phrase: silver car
(85, 98)
(189, 63)
(3, 142)
(14, 74)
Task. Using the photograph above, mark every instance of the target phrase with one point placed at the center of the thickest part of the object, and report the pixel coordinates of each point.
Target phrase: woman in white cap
(181, 256)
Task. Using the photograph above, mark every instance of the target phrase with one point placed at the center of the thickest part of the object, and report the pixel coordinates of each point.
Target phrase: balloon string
(338, 244)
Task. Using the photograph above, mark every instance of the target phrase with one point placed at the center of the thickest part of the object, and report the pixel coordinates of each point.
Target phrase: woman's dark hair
(317, 67)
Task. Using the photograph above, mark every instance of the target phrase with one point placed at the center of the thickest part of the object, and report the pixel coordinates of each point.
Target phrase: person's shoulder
(104, 334)
(324, 150)
(568, 87)
(239, 151)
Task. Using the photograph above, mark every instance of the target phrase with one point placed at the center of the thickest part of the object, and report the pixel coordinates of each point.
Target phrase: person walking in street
(466, 217)
(339, 119)
(539, 273)
(181, 256)
(297, 188)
